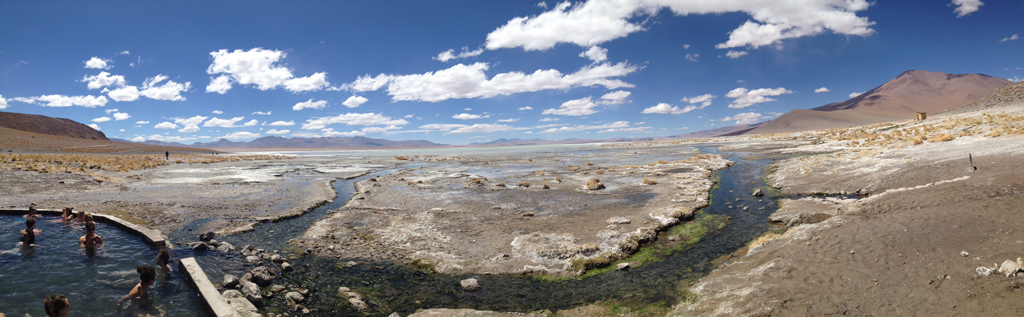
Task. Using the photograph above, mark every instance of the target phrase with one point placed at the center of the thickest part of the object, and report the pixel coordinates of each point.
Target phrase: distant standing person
(90, 240)
(57, 305)
(167, 155)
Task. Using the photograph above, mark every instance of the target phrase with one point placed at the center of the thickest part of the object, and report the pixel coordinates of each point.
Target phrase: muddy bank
(546, 214)
(911, 246)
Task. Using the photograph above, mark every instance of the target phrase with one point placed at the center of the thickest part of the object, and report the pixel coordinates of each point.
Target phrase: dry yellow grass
(648, 181)
(87, 164)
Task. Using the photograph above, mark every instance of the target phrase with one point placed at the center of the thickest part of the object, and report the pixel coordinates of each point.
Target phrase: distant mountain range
(898, 99)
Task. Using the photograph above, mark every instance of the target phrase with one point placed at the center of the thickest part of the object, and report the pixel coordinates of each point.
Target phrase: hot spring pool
(92, 283)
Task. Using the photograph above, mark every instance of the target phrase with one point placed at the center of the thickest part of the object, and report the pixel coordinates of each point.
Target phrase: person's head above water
(147, 274)
(30, 223)
(163, 257)
(57, 305)
(90, 227)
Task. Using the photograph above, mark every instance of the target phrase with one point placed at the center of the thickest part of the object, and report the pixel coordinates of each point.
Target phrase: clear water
(92, 283)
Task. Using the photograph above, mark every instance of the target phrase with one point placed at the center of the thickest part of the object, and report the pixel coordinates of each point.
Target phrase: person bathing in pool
(141, 291)
(28, 236)
(57, 305)
(67, 216)
(90, 240)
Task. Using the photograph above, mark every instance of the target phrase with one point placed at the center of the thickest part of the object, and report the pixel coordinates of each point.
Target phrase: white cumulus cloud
(126, 93)
(104, 79)
(508, 120)
(101, 119)
(3, 102)
(355, 101)
(525, 108)
(223, 123)
(261, 113)
(1010, 38)
(664, 108)
(744, 118)
(278, 132)
(597, 21)
(95, 126)
(310, 104)
(822, 89)
(64, 101)
(855, 94)
(217, 112)
(450, 54)
(467, 116)
(282, 123)
(745, 98)
(576, 128)
(121, 116)
(251, 123)
(442, 126)
(704, 100)
(736, 54)
(189, 125)
(170, 90)
(163, 125)
(96, 63)
(692, 57)
(615, 97)
(469, 81)
(141, 122)
(352, 119)
(258, 67)
(595, 53)
(548, 119)
(965, 7)
(575, 107)
(483, 128)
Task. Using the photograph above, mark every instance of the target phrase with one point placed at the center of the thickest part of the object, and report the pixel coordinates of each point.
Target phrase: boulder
(213, 243)
(206, 236)
(230, 281)
(759, 192)
(342, 290)
(240, 304)
(294, 297)
(594, 184)
(225, 247)
(350, 264)
(352, 295)
(252, 259)
(285, 267)
(252, 293)
(276, 258)
(470, 284)
(199, 246)
(359, 305)
(622, 266)
(1009, 268)
(261, 275)
(276, 288)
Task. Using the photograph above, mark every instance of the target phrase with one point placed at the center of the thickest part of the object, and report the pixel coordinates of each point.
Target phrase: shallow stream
(389, 287)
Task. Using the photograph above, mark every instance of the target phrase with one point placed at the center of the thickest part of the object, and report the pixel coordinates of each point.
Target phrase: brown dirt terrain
(896, 252)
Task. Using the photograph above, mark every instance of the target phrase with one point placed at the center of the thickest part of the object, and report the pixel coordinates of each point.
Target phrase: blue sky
(457, 72)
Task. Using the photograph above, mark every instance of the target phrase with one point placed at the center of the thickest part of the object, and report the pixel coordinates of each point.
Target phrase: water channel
(389, 287)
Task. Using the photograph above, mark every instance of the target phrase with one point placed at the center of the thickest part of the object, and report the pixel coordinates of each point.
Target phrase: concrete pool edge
(207, 290)
(152, 237)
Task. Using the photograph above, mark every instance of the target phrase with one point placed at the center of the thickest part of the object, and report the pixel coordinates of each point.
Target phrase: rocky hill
(898, 99)
(1004, 96)
(48, 125)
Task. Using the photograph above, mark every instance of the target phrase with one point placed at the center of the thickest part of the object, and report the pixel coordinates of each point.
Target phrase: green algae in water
(689, 233)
